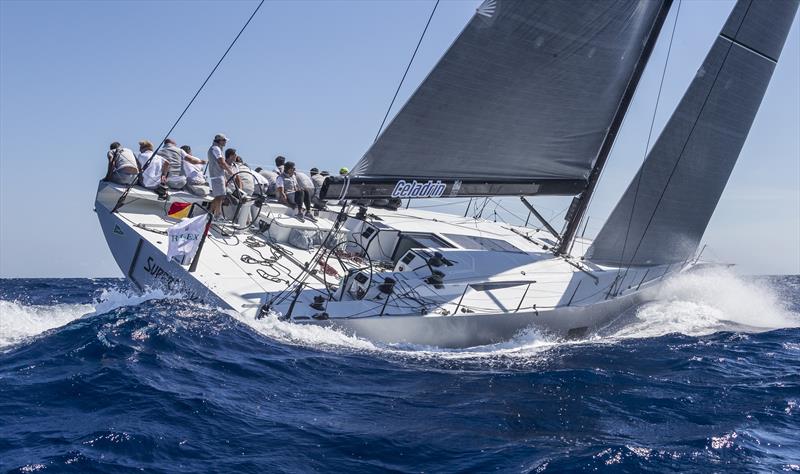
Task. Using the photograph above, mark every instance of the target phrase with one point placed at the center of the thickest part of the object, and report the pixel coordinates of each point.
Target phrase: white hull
(570, 302)
(482, 329)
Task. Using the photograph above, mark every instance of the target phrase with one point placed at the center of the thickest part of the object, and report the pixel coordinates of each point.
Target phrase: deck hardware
(387, 288)
(539, 217)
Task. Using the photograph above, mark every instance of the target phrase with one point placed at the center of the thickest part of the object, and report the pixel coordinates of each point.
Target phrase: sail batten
(527, 91)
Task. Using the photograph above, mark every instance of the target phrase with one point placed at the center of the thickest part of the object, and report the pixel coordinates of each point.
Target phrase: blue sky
(310, 80)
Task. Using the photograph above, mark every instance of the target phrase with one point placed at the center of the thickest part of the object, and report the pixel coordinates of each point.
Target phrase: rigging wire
(613, 146)
(479, 214)
(406, 71)
(647, 146)
(121, 200)
(680, 155)
(312, 262)
(498, 204)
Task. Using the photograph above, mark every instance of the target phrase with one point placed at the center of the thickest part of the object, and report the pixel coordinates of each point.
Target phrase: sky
(311, 80)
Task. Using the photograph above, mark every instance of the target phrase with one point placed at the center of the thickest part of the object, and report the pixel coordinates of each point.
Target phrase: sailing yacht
(527, 101)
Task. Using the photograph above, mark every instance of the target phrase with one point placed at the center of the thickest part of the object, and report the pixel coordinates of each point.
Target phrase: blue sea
(96, 378)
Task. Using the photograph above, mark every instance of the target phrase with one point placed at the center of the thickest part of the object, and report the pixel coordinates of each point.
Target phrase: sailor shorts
(217, 186)
(121, 177)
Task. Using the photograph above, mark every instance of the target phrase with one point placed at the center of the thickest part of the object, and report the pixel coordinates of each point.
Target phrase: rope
(680, 155)
(647, 146)
(121, 200)
(406, 71)
(150, 229)
(312, 263)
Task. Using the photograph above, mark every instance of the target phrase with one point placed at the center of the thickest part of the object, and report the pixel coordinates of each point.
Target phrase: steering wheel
(259, 196)
(349, 266)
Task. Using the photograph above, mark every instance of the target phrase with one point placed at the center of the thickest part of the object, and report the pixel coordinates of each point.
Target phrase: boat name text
(172, 284)
(431, 189)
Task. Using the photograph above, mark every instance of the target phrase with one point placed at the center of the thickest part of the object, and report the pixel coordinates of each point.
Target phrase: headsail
(526, 93)
(665, 210)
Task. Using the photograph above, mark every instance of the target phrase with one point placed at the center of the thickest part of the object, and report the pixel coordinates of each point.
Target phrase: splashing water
(75, 398)
(702, 303)
(522, 346)
(19, 321)
(693, 304)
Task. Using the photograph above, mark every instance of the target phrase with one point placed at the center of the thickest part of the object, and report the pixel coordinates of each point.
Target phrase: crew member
(271, 177)
(217, 167)
(279, 161)
(318, 179)
(151, 175)
(122, 166)
(290, 193)
(194, 171)
(173, 173)
(145, 152)
(239, 180)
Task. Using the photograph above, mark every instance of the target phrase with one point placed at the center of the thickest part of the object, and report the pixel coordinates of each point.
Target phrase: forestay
(665, 210)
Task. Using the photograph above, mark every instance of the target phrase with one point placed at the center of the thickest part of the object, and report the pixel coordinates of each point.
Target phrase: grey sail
(528, 90)
(664, 212)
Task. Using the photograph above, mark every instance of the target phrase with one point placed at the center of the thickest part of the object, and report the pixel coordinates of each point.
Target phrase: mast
(581, 202)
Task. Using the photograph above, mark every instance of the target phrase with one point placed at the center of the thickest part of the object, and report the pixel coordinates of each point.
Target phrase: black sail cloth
(527, 91)
(664, 212)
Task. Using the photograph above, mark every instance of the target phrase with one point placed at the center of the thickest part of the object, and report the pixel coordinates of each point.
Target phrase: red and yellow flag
(179, 210)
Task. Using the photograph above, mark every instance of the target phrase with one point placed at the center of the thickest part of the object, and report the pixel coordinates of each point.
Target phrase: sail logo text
(404, 189)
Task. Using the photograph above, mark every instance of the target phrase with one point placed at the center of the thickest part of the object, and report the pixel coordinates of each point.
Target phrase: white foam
(19, 322)
(520, 347)
(701, 303)
(303, 334)
(693, 304)
(110, 300)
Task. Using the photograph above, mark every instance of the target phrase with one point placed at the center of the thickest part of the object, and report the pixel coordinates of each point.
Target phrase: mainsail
(665, 210)
(526, 93)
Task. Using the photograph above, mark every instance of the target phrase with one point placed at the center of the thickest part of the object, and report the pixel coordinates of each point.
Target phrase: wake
(694, 304)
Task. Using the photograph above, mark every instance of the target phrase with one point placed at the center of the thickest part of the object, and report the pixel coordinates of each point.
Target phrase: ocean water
(96, 379)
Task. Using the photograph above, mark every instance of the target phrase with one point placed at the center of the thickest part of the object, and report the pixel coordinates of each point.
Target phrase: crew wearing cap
(217, 168)
(343, 171)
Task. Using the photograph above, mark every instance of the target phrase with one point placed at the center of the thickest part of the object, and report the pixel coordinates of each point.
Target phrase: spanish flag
(179, 210)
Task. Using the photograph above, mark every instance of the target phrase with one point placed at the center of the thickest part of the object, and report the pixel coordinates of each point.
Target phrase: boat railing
(489, 286)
